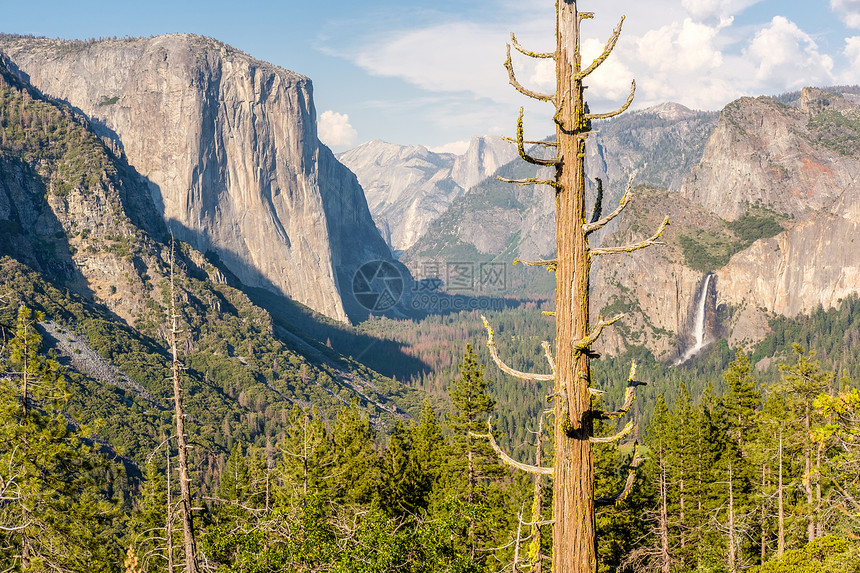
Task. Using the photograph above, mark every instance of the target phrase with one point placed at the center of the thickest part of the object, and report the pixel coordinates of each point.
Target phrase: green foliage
(49, 138)
(315, 536)
(752, 227)
(56, 513)
(829, 554)
(707, 251)
(837, 131)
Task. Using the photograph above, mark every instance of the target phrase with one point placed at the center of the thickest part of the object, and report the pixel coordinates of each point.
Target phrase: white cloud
(703, 59)
(852, 52)
(848, 10)
(460, 56)
(788, 58)
(721, 10)
(543, 76)
(683, 48)
(455, 147)
(334, 129)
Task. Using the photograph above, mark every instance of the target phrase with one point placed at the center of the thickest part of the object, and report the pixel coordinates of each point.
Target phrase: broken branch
(618, 111)
(610, 45)
(529, 53)
(522, 150)
(491, 344)
(594, 225)
(598, 204)
(615, 437)
(531, 181)
(508, 459)
(550, 264)
(512, 78)
(629, 396)
(628, 484)
(584, 343)
(652, 240)
(549, 358)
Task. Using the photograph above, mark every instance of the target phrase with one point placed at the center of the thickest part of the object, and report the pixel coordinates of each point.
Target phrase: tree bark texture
(574, 542)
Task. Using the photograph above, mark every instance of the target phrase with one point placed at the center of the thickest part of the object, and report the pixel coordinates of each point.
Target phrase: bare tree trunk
(819, 522)
(537, 505)
(305, 455)
(681, 496)
(780, 546)
(665, 563)
(699, 486)
(191, 565)
(471, 493)
(732, 533)
(25, 378)
(807, 476)
(168, 529)
(764, 484)
(25, 548)
(574, 541)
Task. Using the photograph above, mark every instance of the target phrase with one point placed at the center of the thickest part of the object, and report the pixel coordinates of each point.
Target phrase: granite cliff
(228, 148)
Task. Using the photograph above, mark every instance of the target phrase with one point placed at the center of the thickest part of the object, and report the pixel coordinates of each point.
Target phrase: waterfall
(699, 327)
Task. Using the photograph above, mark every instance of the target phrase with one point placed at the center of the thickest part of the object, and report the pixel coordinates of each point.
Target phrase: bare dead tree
(191, 565)
(574, 540)
(168, 525)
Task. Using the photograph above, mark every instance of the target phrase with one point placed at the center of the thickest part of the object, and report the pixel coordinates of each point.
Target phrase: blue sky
(431, 73)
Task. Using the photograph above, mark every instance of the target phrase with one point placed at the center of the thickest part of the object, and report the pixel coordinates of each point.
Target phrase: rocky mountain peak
(669, 111)
(483, 158)
(790, 160)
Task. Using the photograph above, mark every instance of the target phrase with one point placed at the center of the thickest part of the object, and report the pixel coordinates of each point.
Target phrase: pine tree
(660, 442)
(355, 468)
(473, 460)
(428, 445)
(684, 459)
(54, 513)
(472, 464)
(803, 382)
(147, 523)
(740, 403)
(403, 489)
(306, 463)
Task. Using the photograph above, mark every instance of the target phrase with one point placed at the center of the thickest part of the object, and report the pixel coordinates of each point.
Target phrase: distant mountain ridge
(408, 187)
(763, 194)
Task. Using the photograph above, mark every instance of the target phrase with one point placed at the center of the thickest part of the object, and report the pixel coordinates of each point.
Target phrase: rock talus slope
(229, 148)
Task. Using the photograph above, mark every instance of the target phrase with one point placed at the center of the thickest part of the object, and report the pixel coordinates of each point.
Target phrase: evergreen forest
(750, 469)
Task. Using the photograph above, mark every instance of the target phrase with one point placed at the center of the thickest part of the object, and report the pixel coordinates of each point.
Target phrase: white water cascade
(699, 328)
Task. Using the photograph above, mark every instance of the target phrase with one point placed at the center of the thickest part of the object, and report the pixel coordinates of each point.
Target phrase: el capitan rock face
(229, 148)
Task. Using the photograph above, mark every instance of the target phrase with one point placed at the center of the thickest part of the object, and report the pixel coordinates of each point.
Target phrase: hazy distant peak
(669, 111)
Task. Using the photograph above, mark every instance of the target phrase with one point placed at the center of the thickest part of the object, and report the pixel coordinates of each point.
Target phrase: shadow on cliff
(30, 231)
(385, 356)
